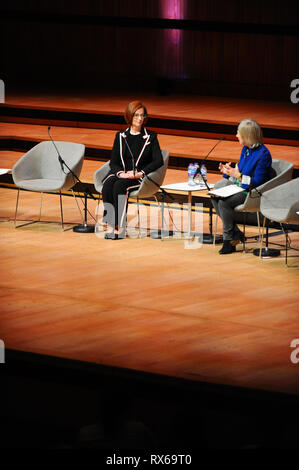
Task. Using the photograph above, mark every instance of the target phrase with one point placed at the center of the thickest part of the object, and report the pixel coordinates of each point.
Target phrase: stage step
(98, 142)
(190, 127)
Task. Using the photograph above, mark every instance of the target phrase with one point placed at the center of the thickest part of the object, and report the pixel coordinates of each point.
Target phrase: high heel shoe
(227, 248)
(121, 234)
(111, 236)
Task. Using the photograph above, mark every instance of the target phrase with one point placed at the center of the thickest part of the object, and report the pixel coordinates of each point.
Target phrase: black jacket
(147, 153)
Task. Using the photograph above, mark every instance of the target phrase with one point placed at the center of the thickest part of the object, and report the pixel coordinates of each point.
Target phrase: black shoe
(227, 248)
(111, 236)
(121, 234)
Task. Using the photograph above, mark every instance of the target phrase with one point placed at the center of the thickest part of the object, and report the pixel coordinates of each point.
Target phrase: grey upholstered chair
(39, 170)
(282, 172)
(147, 187)
(281, 204)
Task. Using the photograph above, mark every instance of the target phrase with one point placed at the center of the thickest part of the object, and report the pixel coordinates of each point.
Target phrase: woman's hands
(130, 174)
(228, 170)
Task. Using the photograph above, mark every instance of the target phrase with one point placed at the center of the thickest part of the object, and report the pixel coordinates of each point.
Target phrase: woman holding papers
(252, 170)
(135, 153)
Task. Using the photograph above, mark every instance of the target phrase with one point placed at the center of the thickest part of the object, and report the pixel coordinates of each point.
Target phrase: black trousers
(225, 209)
(115, 194)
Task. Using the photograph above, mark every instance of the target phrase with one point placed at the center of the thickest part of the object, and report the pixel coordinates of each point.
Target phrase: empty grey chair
(281, 204)
(147, 187)
(39, 169)
(282, 172)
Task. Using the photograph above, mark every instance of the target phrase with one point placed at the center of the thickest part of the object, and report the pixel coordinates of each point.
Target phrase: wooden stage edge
(210, 109)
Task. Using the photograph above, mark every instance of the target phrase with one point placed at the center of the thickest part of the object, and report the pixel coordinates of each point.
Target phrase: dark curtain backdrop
(60, 45)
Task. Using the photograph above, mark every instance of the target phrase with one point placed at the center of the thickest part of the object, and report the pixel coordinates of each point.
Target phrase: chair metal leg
(61, 210)
(79, 207)
(40, 206)
(262, 239)
(266, 252)
(285, 231)
(17, 203)
(159, 234)
(244, 228)
(259, 224)
(16, 213)
(286, 257)
(138, 212)
(40, 211)
(215, 231)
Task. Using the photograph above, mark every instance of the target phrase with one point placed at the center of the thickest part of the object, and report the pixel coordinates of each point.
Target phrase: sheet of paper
(227, 191)
(3, 171)
(186, 187)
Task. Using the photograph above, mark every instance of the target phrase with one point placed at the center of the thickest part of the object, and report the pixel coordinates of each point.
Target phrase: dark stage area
(53, 403)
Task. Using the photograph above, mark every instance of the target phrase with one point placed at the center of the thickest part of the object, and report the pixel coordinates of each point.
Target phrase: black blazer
(148, 157)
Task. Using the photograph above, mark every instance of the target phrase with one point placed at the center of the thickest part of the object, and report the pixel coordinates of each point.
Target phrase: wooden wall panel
(243, 11)
(44, 53)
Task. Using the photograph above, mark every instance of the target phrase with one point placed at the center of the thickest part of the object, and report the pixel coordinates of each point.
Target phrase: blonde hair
(251, 132)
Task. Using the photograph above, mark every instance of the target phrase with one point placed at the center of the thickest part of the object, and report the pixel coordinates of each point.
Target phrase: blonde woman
(253, 169)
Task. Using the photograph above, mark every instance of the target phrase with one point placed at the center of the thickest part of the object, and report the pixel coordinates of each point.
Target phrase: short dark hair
(131, 110)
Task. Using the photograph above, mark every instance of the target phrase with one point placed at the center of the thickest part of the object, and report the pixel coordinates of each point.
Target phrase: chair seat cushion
(40, 185)
(239, 208)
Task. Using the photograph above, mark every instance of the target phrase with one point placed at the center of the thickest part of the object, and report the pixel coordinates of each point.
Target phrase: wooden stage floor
(145, 304)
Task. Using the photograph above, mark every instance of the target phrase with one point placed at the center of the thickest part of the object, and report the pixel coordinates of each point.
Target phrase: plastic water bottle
(203, 176)
(191, 173)
(196, 179)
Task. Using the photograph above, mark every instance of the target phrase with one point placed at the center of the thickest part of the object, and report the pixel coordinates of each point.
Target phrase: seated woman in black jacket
(136, 152)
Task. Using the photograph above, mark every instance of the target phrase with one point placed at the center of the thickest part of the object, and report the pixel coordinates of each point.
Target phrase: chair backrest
(147, 188)
(100, 175)
(282, 171)
(41, 162)
(281, 203)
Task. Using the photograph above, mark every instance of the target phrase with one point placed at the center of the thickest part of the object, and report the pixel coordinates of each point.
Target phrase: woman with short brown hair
(136, 152)
(131, 110)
